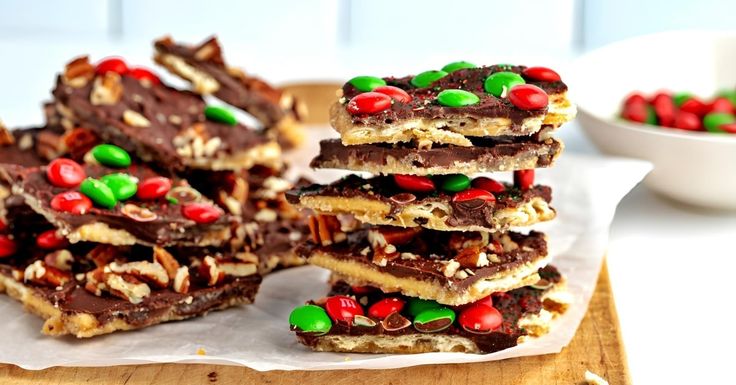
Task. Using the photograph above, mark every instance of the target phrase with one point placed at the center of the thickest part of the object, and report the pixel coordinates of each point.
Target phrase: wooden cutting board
(596, 347)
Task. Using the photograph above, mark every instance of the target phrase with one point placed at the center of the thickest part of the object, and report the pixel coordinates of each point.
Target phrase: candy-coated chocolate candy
(111, 64)
(3, 225)
(414, 183)
(524, 179)
(310, 319)
(426, 78)
(681, 97)
(488, 184)
(144, 74)
(541, 74)
(721, 105)
(480, 319)
(687, 121)
(201, 212)
(434, 320)
(473, 193)
(457, 98)
(418, 305)
(728, 94)
(528, 97)
(713, 121)
(455, 182)
(183, 194)
(395, 321)
(695, 106)
(220, 115)
(362, 289)
(729, 128)
(361, 320)
(98, 192)
(486, 301)
(7, 246)
(111, 155)
(72, 202)
(664, 108)
(64, 172)
(343, 309)
(369, 103)
(500, 83)
(458, 65)
(639, 113)
(123, 186)
(635, 99)
(50, 240)
(366, 83)
(386, 306)
(154, 187)
(138, 213)
(394, 93)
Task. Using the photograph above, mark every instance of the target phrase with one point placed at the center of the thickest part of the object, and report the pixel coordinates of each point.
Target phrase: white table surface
(671, 266)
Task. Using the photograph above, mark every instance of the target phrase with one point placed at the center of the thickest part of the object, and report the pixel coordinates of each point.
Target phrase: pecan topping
(325, 229)
(78, 72)
(107, 89)
(165, 259)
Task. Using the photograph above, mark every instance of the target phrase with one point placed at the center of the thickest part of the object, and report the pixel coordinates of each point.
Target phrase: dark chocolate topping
(424, 104)
(383, 188)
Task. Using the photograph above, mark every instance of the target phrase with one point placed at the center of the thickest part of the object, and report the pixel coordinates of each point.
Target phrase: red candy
(635, 99)
(687, 121)
(528, 97)
(7, 246)
(542, 74)
(395, 93)
(473, 193)
(141, 73)
(384, 307)
(488, 184)
(201, 212)
(480, 319)
(341, 308)
(664, 108)
(369, 103)
(64, 172)
(111, 64)
(361, 289)
(50, 240)
(414, 183)
(728, 127)
(721, 105)
(72, 202)
(694, 106)
(3, 226)
(153, 188)
(524, 179)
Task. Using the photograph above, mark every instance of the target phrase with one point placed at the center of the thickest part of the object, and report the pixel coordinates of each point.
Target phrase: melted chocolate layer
(424, 104)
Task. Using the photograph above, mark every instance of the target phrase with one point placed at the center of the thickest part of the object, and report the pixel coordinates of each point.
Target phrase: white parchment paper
(586, 191)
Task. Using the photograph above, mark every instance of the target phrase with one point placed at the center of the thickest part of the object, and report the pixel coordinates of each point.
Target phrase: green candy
(500, 83)
(367, 83)
(99, 193)
(123, 186)
(457, 98)
(310, 319)
(455, 182)
(434, 320)
(111, 155)
(220, 114)
(458, 65)
(728, 94)
(417, 305)
(426, 78)
(713, 121)
(651, 116)
(681, 97)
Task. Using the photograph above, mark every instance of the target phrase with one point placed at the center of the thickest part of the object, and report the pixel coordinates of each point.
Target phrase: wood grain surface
(596, 347)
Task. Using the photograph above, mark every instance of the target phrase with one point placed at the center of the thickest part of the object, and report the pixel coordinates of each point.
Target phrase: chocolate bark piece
(161, 124)
(452, 268)
(379, 201)
(527, 312)
(204, 67)
(486, 155)
(424, 119)
(113, 226)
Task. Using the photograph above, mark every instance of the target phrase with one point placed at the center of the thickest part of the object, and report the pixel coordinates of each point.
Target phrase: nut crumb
(201, 352)
(594, 379)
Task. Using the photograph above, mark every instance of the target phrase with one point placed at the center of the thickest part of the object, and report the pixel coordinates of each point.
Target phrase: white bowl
(697, 168)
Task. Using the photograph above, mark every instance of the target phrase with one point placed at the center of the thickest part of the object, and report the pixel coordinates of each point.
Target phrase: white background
(671, 266)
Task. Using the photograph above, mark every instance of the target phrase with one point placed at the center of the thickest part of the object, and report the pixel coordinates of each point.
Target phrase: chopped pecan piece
(78, 72)
(325, 229)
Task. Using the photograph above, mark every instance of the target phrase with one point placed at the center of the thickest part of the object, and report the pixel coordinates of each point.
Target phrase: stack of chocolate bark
(421, 253)
(138, 203)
